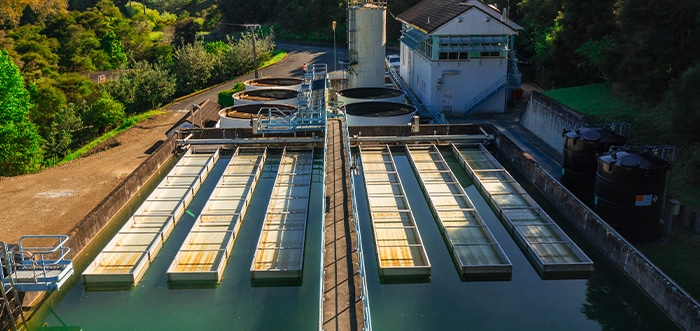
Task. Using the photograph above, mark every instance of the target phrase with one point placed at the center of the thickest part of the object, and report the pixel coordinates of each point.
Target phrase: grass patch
(676, 259)
(277, 56)
(596, 102)
(128, 123)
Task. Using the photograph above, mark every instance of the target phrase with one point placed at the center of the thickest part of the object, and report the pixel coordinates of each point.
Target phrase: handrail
(364, 296)
(323, 235)
(44, 251)
(485, 95)
(438, 118)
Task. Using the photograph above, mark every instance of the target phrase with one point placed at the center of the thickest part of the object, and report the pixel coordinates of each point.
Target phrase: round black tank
(581, 148)
(629, 192)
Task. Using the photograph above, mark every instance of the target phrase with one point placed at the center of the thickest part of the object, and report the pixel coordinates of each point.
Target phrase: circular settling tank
(377, 113)
(581, 148)
(279, 82)
(362, 94)
(240, 116)
(274, 95)
(629, 192)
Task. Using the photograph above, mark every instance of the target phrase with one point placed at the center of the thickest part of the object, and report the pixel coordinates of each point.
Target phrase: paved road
(290, 66)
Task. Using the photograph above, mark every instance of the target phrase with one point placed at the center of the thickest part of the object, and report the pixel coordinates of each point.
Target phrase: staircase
(11, 313)
(311, 110)
(485, 96)
(512, 80)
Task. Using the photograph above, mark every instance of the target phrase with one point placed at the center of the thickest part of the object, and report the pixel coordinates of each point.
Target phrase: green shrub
(226, 97)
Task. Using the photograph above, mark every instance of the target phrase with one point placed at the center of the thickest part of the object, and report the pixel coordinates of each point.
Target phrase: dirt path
(54, 200)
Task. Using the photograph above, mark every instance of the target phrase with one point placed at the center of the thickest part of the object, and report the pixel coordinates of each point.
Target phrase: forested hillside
(139, 58)
(646, 49)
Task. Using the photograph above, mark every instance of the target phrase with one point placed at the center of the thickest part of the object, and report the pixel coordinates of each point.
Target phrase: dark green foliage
(142, 87)
(37, 53)
(683, 106)
(20, 143)
(103, 114)
(112, 45)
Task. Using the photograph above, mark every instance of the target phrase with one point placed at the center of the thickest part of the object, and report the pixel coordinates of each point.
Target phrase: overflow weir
(473, 248)
(208, 245)
(551, 251)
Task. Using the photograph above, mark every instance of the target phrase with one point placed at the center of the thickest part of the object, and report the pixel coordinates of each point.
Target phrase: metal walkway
(280, 250)
(126, 257)
(40, 263)
(203, 255)
(543, 242)
(342, 303)
(472, 245)
(400, 250)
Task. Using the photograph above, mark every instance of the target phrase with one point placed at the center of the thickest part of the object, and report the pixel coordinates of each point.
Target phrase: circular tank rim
(274, 81)
(378, 109)
(247, 111)
(264, 93)
(370, 93)
(604, 135)
(646, 161)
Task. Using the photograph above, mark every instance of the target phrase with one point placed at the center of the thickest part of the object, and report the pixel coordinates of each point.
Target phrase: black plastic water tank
(629, 192)
(581, 148)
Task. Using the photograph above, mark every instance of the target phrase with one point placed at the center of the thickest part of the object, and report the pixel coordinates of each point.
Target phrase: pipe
(423, 138)
(241, 141)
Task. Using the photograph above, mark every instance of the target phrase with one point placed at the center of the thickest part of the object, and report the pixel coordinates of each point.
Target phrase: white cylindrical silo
(368, 44)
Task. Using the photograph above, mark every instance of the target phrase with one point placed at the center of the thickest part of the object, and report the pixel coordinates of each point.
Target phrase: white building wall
(460, 82)
(448, 86)
(474, 22)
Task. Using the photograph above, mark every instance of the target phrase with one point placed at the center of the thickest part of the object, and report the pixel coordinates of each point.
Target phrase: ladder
(11, 313)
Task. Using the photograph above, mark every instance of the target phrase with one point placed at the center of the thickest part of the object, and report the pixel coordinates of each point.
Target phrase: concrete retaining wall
(670, 297)
(90, 226)
(546, 118)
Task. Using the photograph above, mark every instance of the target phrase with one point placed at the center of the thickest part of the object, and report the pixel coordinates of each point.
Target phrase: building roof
(206, 115)
(429, 15)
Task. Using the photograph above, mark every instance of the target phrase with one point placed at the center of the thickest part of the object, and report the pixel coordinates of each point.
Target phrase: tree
(193, 67)
(20, 143)
(56, 122)
(143, 87)
(11, 10)
(103, 114)
(37, 53)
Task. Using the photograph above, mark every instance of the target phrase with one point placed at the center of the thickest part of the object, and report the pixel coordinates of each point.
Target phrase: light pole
(255, 54)
(334, 53)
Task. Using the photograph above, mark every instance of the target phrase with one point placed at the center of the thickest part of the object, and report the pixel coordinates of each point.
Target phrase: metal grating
(539, 237)
(203, 255)
(124, 260)
(400, 250)
(472, 245)
(280, 250)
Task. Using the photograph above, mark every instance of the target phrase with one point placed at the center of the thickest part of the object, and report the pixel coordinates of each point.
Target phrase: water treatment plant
(300, 217)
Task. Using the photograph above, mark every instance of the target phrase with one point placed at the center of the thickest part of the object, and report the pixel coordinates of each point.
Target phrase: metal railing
(364, 293)
(437, 117)
(322, 271)
(485, 95)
